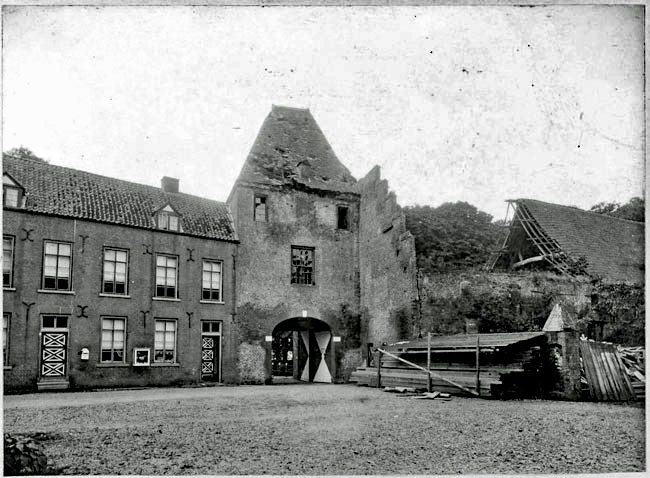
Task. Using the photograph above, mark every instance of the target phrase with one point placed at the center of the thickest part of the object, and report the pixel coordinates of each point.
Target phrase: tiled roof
(290, 147)
(69, 192)
(613, 248)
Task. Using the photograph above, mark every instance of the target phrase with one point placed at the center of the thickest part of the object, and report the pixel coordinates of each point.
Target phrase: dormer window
(168, 220)
(12, 192)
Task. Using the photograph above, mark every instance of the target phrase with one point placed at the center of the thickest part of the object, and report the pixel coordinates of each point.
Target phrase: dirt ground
(323, 429)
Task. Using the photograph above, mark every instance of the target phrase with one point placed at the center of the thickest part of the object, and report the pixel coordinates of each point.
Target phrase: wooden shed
(485, 365)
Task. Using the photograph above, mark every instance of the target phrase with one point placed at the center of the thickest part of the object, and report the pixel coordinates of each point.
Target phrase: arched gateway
(302, 349)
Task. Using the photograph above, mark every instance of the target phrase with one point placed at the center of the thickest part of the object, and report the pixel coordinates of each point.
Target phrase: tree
(633, 210)
(452, 236)
(23, 153)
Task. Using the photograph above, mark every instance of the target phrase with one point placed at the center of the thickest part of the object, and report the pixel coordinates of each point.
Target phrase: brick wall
(387, 262)
(22, 369)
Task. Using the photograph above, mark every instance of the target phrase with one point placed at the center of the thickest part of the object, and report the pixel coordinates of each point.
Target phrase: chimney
(169, 185)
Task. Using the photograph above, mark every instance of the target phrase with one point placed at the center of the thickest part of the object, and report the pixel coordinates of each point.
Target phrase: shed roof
(467, 341)
(290, 146)
(613, 248)
(60, 191)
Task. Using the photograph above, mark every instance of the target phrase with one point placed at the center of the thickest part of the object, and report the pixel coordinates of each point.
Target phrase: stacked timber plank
(605, 372)
(455, 366)
(633, 359)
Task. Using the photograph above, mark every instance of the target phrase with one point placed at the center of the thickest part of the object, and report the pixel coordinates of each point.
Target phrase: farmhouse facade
(108, 283)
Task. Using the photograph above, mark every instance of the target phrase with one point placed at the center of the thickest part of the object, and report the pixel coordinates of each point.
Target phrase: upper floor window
(12, 192)
(260, 211)
(7, 261)
(113, 340)
(342, 219)
(211, 280)
(166, 276)
(57, 266)
(302, 265)
(168, 220)
(116, 263)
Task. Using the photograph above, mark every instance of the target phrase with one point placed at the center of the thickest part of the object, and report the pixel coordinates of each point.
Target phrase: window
(7, 261)
(5, 337)
(11, 196)
(114, 280)
(12, 193)
(166, 276)
(259, 212)
(113, 340)
(211, 327)
(57, 265)
(302, 265)
(55, 322)
(211, 279)
(168, 220)
(165, 341)
(343, 217)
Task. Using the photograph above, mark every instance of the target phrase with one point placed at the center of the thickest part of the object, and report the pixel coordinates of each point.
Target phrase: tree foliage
(453, 236)
(633, 210)
(23, 153)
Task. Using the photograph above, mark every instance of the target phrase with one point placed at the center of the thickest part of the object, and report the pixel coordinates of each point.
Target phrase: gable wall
(387, 263)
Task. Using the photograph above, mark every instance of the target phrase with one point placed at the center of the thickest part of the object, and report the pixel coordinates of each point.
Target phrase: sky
(454, 103)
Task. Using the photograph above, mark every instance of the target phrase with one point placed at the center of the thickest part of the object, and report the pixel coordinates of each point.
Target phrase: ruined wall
(387, 263)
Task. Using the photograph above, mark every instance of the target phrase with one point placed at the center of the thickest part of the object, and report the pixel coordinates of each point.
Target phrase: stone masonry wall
(387, 263)
(265, 295)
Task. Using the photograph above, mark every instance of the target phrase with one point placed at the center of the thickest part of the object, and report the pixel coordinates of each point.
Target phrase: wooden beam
(530, 260)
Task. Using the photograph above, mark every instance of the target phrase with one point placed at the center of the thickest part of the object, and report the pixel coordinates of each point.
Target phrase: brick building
(108, 283)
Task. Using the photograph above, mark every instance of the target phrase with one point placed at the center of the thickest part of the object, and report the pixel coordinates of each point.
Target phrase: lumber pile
(499, 366)
(633, 359)
(606, 376)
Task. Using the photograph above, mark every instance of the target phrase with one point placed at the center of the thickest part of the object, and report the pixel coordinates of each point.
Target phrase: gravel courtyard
(322, 429)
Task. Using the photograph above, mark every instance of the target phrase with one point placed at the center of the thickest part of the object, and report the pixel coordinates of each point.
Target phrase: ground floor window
(5, 337)
(113, 340)
(165, 341)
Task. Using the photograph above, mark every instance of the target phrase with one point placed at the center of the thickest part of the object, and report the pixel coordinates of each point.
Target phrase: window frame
(56, 278)
(298, 274)
(163, 218)
(263, 200)
(164, 349)
(6, 317)
(10, 263)
(113, 349)
(19, 195)
(176, 292)
(115, 262)
(220, 289)
(346, 217)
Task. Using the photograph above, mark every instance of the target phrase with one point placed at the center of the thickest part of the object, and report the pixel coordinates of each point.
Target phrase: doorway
(301, 348)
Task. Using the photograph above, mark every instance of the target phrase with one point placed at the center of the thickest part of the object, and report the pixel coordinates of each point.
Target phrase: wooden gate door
(54, 349)
(322, 374)
(211, 351)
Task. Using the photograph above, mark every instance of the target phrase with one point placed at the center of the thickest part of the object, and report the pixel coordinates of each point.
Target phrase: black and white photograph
(323, 238)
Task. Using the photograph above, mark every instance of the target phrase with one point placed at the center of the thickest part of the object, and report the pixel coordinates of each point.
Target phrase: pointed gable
(290, 146)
